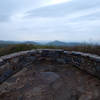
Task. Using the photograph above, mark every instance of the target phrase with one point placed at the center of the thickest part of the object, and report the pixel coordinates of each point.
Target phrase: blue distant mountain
(31, 42)
(17, 42)
(60, 43)
(9, 42)
(49, 43)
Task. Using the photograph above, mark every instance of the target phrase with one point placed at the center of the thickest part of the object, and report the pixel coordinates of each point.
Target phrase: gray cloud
(64, 9)
(10, 7)
(77, 20)
(4, 18)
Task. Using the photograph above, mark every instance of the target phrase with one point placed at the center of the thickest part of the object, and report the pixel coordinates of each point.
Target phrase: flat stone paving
(42, 81)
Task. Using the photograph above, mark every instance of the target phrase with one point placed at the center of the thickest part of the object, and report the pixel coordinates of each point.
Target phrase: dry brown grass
(94, 49)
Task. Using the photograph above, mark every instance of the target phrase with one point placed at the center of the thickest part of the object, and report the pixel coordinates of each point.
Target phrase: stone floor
(50, 82)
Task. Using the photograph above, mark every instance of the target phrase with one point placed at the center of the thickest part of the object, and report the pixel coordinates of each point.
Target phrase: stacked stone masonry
(13, 63)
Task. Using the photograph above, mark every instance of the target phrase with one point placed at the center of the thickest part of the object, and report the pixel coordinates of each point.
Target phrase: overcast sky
(66, 20)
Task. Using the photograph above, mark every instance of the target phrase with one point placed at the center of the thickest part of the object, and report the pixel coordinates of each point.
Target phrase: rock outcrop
(50, 75)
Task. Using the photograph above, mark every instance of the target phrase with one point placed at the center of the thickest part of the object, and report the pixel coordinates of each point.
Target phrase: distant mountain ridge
(8, 42)
(60, 43)
(50, 43)
(57, 43)
(31, 42)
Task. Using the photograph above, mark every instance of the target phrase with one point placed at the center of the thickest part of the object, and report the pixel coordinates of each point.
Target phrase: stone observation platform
(49, 74)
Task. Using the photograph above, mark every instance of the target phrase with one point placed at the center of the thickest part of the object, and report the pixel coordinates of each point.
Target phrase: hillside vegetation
(94, 49)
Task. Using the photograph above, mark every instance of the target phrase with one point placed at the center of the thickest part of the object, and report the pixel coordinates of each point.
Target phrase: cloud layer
(70, 20)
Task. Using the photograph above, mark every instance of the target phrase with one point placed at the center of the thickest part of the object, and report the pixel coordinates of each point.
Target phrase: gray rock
(68, 59)
(61, 60)
(49, 77)
(45, 53)
(30, 59)
(98, 68)
(77, 60)
(1, 62)
(6, 75)
(15, 60)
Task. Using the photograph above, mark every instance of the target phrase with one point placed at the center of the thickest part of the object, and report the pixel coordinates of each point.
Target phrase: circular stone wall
(49, 75)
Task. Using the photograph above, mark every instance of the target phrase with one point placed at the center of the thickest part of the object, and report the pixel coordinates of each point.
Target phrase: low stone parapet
(10, 64)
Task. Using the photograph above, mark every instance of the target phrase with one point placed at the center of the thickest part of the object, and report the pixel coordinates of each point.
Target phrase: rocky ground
(50, 75)
(50, 81)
